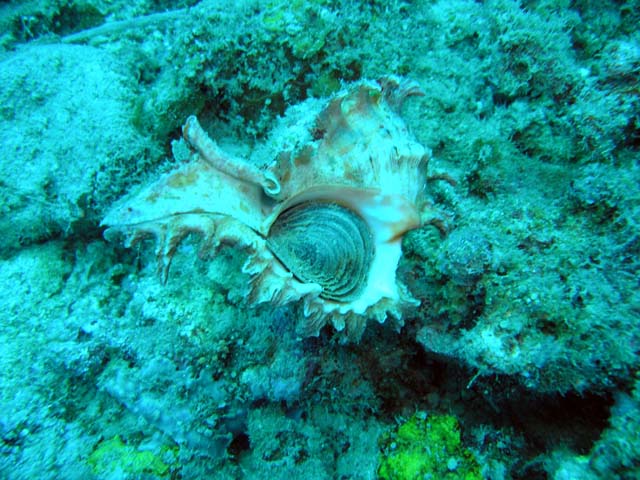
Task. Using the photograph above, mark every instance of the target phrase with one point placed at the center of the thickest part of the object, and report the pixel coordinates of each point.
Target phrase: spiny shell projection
(320, 208)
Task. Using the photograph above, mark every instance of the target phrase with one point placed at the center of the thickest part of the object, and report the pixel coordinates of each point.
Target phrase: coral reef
(526, 272)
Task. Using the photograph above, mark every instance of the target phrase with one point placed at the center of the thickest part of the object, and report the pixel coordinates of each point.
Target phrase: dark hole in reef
(632, 134)
(399, 369)
(573, 420)
(300, 456)
(531, 471)
(548, 326)
(545, 420)
(502, 99)
(240, 443)
(404, 375)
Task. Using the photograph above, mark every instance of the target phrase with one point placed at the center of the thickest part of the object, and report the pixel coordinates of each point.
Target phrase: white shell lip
(365, 159)
(388, 216)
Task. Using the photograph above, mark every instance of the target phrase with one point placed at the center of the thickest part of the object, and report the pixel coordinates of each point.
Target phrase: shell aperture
(324, 243)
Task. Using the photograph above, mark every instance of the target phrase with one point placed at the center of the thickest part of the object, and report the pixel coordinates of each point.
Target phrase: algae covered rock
(427, 447)
(115, 457)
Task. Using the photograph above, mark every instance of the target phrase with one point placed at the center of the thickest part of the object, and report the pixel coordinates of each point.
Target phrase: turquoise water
(523, 336)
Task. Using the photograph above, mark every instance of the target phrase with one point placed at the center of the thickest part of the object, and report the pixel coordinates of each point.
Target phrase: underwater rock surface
(67, 138)
(520, 358)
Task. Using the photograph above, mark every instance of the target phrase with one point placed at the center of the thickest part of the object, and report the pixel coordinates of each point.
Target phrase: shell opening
(324, 243)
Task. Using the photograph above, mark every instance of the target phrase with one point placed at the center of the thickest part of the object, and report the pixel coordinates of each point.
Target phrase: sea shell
(320, 208)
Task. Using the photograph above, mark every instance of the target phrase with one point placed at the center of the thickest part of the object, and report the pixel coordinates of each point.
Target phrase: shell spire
(397, 89)
(320, 208)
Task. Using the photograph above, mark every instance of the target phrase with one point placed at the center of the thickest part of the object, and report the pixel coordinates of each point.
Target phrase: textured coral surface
(526, 337)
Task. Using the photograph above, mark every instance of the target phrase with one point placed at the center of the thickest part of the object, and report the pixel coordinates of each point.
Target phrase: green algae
(427, 447)
(115, 456)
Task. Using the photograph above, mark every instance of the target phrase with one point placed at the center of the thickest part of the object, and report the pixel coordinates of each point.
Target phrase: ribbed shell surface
(324, 243)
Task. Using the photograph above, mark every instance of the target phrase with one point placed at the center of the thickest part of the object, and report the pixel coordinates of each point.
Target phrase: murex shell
(320, 208)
